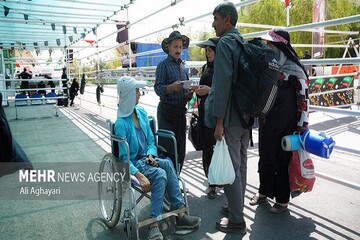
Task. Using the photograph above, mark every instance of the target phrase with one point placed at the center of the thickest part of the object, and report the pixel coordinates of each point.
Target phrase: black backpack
(255, 90)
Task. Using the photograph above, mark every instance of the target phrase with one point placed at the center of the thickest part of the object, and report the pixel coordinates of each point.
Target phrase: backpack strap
(241, 42)
(245, 124)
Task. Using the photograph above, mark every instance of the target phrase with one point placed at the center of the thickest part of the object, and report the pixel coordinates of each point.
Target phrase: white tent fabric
(53, 23)
(62, 23)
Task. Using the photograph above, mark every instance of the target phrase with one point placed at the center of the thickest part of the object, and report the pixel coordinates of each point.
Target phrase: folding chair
(37, 99)
(49, 97)
(19, 97)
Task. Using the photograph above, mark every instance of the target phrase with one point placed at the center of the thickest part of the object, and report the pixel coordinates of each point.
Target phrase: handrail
(33, 79)
(30, 89)
(336, 110)
(331, 91)
(330, 61)
(26, 99)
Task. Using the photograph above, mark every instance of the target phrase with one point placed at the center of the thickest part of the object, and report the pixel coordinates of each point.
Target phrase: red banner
(287, 3)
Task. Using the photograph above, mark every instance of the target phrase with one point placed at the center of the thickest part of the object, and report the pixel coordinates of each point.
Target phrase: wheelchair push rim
(109, 193)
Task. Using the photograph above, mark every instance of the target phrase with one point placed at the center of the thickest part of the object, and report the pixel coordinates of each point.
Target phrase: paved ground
(330, 211)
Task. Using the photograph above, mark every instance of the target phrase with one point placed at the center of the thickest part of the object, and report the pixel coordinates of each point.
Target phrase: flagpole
(288, 16)
(287, 6)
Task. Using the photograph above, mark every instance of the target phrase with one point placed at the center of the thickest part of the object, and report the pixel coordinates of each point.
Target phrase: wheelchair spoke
(109, 189)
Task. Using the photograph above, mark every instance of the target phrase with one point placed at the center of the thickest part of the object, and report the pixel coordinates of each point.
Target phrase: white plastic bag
(306, 165)
(221, 169)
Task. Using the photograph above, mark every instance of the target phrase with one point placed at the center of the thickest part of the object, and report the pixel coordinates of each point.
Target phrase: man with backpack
(220, 113)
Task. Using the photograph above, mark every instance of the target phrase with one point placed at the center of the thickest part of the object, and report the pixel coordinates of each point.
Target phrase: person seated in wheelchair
(154, 174)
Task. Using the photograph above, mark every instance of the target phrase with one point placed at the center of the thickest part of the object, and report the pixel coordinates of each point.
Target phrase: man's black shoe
(228, 227)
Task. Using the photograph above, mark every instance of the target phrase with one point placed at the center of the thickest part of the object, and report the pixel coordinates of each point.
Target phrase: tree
(272, 12)
(99, 65)
(113, 64)
(196, 53)
(337, 9)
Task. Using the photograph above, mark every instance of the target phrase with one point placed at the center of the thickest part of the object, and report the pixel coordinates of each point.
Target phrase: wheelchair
(118, 200)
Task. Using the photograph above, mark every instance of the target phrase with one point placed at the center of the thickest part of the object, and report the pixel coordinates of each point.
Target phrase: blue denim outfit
(163, 178)
(124, 127)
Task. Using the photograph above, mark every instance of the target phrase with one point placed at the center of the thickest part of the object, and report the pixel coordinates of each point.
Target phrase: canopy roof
(53, 23)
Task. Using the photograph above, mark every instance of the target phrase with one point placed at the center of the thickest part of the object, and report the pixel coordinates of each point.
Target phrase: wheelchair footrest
(161, 217)
(185, 231)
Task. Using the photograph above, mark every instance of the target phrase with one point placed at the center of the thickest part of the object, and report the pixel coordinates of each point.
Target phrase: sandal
(212, 193)
(256, 200)
(277, 208)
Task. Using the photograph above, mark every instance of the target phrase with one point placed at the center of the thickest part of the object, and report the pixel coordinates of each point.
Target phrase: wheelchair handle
(165, 133)
(169, 134)
(117, 138)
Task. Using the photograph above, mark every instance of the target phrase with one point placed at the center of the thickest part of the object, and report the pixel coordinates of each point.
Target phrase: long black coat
(74, 88)
(208, 133)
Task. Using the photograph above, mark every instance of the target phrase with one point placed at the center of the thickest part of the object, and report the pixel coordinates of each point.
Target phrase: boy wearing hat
(173, 97)
(154, 174)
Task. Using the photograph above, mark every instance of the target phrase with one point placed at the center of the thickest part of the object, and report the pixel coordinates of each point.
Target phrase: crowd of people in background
(69, 88)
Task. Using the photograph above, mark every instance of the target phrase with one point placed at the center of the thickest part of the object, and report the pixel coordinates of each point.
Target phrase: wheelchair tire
(110, 193)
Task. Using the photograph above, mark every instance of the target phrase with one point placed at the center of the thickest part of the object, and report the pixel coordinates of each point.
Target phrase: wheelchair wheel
(127, 224)
(110, 192)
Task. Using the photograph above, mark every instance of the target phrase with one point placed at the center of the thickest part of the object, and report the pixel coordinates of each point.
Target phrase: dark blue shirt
(169, 71)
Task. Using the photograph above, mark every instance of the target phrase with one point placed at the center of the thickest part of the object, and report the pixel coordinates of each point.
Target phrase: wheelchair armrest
(161, 150)
(135, 181)
(165, 133)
